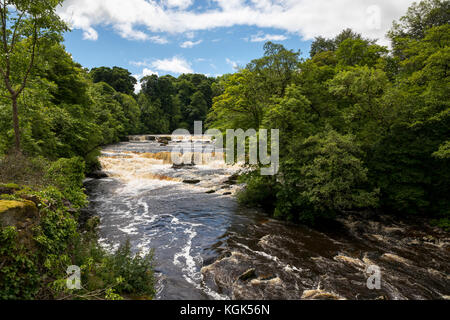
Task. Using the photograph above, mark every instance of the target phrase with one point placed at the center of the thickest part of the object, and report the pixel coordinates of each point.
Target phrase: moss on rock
(15, 213)
(9, 188)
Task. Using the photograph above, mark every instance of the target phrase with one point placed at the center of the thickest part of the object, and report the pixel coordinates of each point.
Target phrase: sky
(212, 37)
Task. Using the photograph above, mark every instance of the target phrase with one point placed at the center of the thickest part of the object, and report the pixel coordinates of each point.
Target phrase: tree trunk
(16, 123)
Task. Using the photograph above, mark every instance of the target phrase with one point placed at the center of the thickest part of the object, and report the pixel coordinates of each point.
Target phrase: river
(204, 241)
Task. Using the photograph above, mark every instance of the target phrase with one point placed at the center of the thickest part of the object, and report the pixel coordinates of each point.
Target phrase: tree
(25, 25)
(359, 92)
(242, 103)
(321, 44)
(293, 116)
(325, 176)
(197, 109)
(419, 18)
(118, 78)
(276, 69)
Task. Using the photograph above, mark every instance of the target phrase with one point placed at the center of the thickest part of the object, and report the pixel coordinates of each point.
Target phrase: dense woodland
(361, 126)
(68, 111)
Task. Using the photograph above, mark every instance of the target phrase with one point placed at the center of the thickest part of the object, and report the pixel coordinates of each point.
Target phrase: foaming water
(204, 241)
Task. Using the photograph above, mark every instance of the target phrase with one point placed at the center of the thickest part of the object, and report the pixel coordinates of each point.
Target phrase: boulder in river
(193, 181)
(98, 174)
(183, 166)
(232, 180)
(319, 294)
(164, 140)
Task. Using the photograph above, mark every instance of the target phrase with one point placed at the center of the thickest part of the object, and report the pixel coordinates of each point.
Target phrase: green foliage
(443, 223)
(353, 52)
(135, 271)
(26, 27)
(292, 115)
(118, 78)
(276, 69)
(360, 127)
(324, 176)
(321, 44)
(34, 261)
(242, 103)
(169, 103)
(260, 191)
(420, 17)
(18, 273)
(443, 152)
(68, 176)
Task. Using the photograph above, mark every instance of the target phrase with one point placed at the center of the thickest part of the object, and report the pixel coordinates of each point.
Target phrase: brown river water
(204, 241)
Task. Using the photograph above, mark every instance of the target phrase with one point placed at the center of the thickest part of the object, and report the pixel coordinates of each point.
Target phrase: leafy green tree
(152, 117)
(293, 116)
(197, 109)
(118, 78)
(325, 176)
(353, 52)
(364, 113)
(276, 69)
(420, 17)
(321, 44)
(241, 105)
(25, 26)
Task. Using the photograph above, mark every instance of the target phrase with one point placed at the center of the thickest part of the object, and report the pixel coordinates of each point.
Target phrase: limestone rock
(15, 213)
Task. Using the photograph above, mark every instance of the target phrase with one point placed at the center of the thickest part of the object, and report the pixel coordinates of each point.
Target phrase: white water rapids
(203, 241)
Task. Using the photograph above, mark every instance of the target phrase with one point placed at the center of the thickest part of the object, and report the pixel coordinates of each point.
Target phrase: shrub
(259, 191)
(18, 273)
(68, 175)
(324, 175)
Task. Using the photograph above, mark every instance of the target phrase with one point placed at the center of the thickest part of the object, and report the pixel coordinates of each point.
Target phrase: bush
(324, 175)
(260, 191)
(136, 271)
(18, 273)
(68, 175)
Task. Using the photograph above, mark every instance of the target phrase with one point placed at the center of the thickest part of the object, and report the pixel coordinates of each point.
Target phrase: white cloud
(90, 34)
(126, 31)
(190, 44)
(232, 63)
(182, 4)
(303, 17)
(175, 65)
(159, 40)
(267, 37)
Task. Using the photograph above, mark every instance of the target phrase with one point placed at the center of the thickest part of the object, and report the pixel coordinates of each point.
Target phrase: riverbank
(44, 231)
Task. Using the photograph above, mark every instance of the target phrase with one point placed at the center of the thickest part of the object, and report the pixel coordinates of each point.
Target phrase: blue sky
(219, 51)
(212, 37)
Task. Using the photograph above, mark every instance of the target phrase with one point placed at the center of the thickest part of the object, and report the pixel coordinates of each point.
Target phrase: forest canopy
(361, 126)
